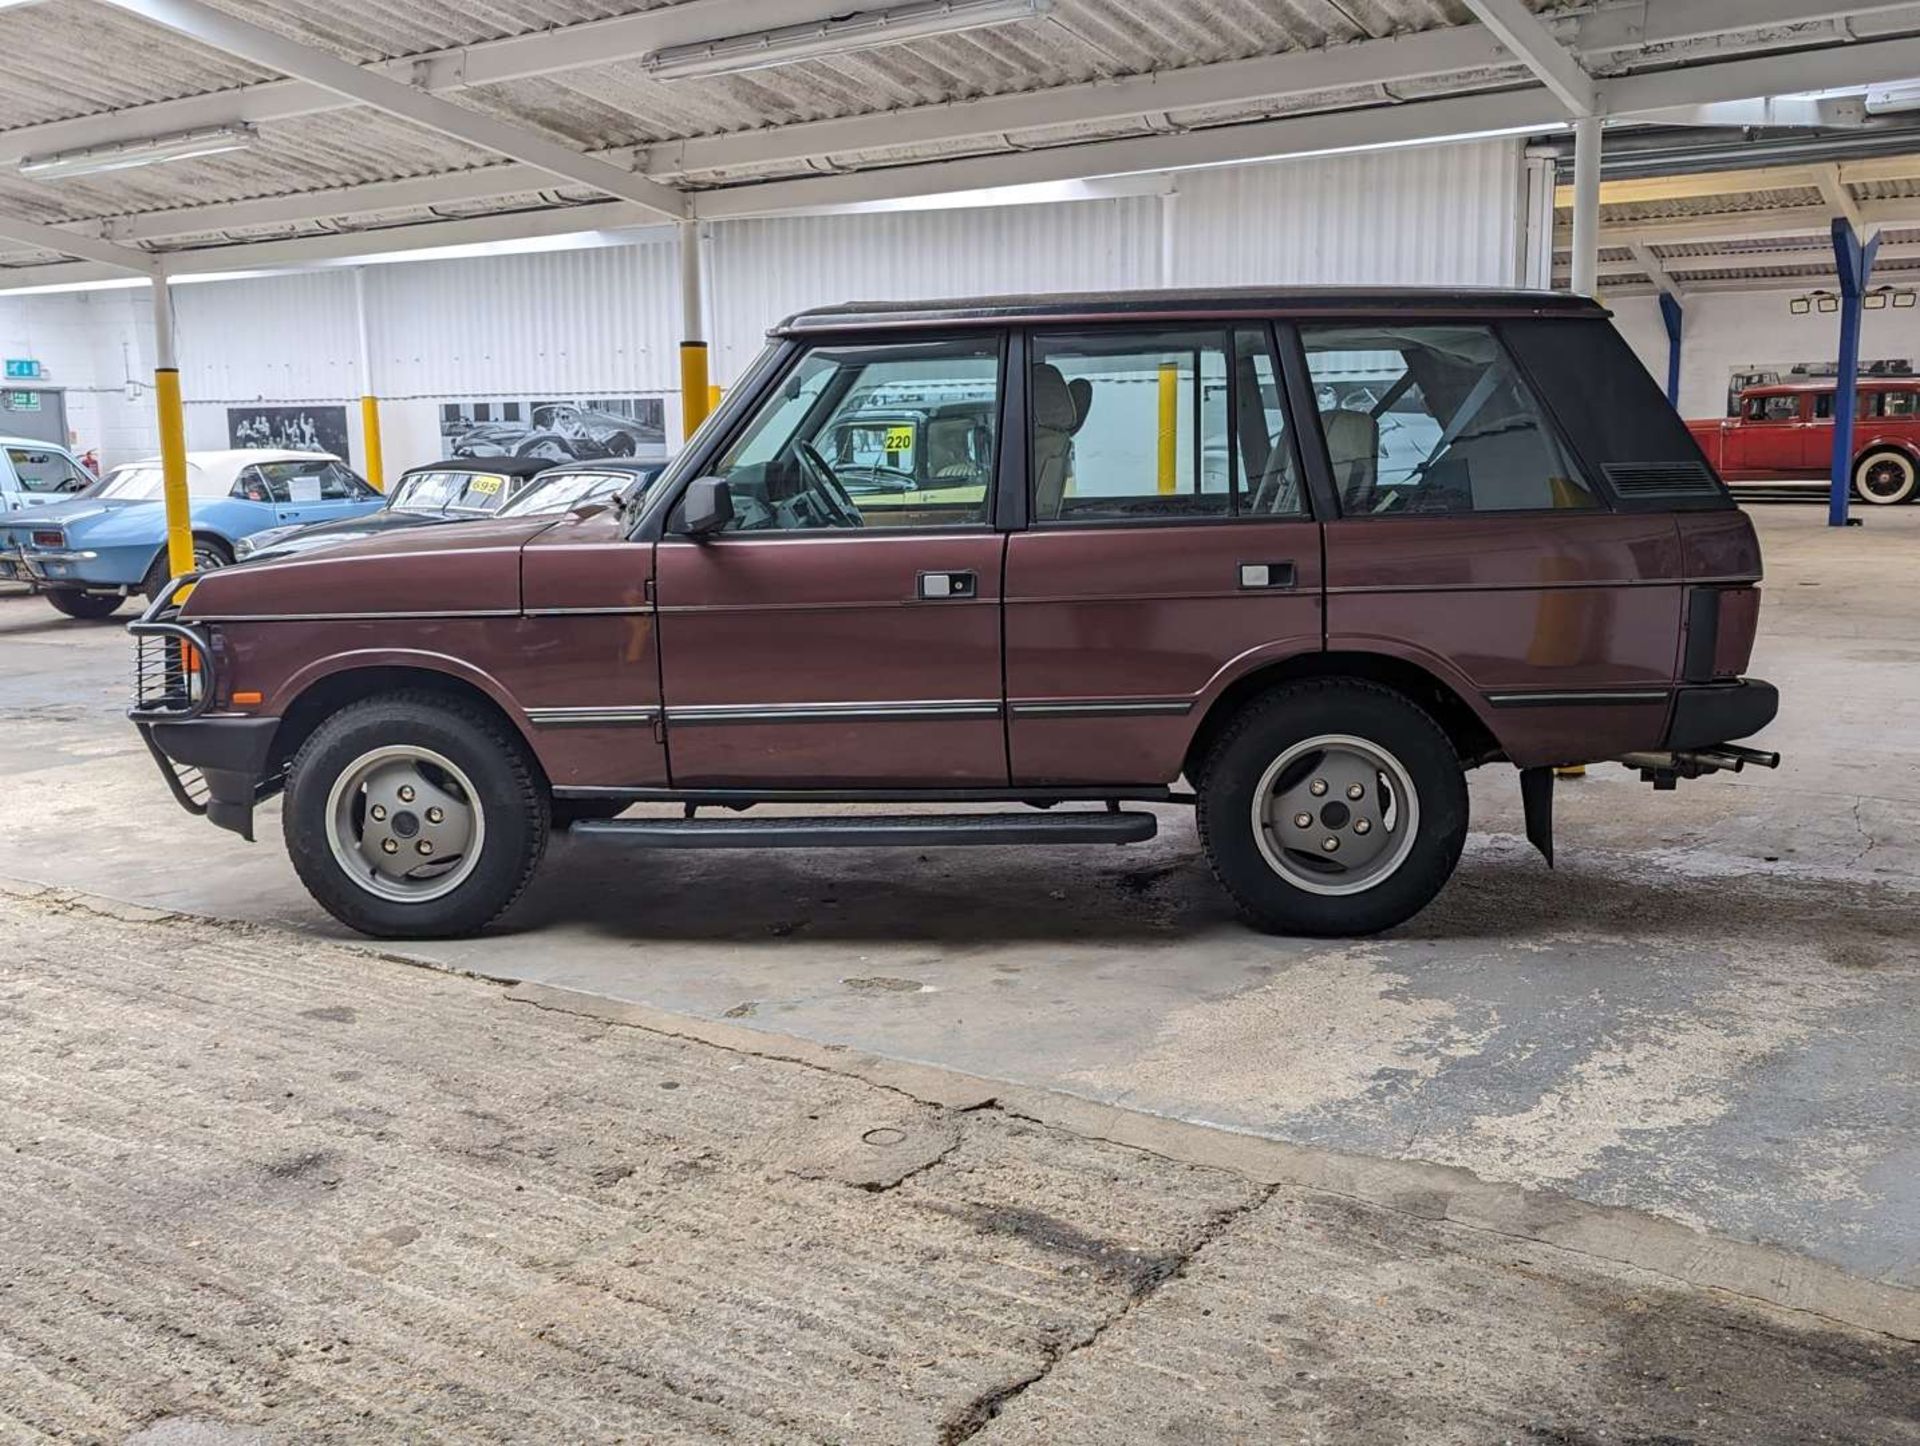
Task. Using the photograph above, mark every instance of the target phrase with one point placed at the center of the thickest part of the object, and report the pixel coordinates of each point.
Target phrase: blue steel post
(1672, 315)
(1854, 263)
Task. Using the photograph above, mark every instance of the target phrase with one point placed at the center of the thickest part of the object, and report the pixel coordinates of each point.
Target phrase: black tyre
(77, 604)
(1333, 807)
(1886, 477)
(415, 816)
(208, 553)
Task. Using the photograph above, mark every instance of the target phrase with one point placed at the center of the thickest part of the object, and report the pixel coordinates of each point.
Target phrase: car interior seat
(1353, 447)
(1055, 419)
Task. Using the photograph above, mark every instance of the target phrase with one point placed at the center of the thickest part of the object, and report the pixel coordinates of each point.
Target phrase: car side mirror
(707, 507)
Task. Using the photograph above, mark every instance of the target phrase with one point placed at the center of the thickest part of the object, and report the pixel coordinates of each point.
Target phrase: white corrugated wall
(604, 321)
(765, 270)
(1443, 215)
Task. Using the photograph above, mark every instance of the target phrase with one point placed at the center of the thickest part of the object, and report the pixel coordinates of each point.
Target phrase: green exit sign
(22, 369)
(23, 401)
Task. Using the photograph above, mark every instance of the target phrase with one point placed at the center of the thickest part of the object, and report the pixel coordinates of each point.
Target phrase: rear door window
(1435, 419)
(1158, 425)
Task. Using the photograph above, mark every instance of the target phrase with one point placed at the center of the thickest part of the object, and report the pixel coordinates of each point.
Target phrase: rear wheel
(1332, 807)
(77, 604)
(414, 816)
(1885, 477)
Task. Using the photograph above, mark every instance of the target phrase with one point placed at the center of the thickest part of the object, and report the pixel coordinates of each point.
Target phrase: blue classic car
(90, 553)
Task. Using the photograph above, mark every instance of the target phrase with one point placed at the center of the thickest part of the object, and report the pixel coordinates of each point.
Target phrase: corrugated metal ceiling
(73, 58)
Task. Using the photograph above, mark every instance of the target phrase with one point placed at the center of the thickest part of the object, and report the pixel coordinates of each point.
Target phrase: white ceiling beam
(1867, 62)
(1237, 82)
(1635, 23)
(70, 243)
(1840, 199)
(1411, 123)
(1527, 36)
(1650, 265)
(1678, 268)
(1731, 226)
(224, 32)
(488, 62)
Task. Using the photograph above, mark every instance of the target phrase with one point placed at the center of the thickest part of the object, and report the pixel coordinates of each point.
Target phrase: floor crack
(979, 1413)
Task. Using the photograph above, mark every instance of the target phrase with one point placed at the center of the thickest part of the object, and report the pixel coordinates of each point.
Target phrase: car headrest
(1081, 390)
(1052, 399)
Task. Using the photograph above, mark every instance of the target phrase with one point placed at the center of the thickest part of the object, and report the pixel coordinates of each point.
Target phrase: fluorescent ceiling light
(98, 160)
(860, 30)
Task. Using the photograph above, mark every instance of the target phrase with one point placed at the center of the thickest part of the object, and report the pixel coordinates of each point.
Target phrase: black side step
(931, 830)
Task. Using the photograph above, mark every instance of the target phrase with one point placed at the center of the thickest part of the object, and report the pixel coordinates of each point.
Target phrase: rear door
(1169, 546)
(844, 630)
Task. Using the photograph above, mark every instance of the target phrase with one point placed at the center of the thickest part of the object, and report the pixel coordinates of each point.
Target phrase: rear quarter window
(1614, 413)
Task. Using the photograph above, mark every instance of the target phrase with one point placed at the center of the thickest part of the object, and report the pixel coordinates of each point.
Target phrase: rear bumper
(227, 756)
(1708, 713)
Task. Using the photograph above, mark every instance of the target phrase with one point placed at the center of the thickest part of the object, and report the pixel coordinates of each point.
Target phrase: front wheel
(1334, 807)
(1885, 477)
(208, 553)
(414, 816)
(77, 604)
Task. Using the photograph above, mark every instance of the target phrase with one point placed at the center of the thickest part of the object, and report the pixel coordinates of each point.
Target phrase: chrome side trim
(1595, 697)
(616, 716)
(352, 617)
(907, 712)
(1104, 708)
(588, 612)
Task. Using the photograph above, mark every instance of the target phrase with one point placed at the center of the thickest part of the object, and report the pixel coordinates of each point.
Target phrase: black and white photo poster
(294, 429)
(576, 430)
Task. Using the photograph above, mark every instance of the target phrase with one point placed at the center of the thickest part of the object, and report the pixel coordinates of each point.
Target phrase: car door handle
(947, 586)
(1267, 575)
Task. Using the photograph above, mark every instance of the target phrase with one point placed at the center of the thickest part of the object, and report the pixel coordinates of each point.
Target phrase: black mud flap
(1536, 798)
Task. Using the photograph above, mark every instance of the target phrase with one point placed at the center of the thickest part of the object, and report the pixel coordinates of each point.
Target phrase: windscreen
(144, 482)
(477, 494)
(553, 495)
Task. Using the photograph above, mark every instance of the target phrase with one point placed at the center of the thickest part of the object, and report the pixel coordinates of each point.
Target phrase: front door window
(861, 437)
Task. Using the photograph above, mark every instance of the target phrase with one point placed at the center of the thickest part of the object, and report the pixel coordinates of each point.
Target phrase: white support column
(1586, 205)
(1169, 214)
(694, 396)
(1536, 222)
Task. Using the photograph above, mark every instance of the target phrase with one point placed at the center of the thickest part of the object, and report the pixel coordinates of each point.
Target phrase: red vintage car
(1781, 443)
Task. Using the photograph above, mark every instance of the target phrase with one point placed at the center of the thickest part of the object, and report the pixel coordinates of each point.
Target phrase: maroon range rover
(1316, 553)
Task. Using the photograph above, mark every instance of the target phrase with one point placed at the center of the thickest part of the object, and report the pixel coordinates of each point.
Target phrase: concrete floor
(262, 1188)
(1705, 1012)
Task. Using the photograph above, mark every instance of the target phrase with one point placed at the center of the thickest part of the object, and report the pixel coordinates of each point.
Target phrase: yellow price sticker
(899, 439)
(486, 484)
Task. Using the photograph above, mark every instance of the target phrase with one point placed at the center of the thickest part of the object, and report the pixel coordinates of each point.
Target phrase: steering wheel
(828, 487)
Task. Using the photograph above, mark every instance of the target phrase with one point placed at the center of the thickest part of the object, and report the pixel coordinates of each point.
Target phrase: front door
(1170, 546)
(844, 629)
(1768, 440)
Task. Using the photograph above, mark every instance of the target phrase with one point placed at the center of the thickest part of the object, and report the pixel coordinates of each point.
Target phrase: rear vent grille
(1661, 479)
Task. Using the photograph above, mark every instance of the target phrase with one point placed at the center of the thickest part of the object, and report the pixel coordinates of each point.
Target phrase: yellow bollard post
(173, 433)
(714, 393)
(694, 399)
(1169, 453)
(376, 464)
(375, 460)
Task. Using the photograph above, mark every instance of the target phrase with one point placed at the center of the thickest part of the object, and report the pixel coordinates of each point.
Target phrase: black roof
(1196, 303)
(508, 466)
(635, 465)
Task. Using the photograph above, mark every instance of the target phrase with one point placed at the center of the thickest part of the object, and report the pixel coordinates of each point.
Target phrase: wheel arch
(1472, 738)
(316, 697)
(1864, 450)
